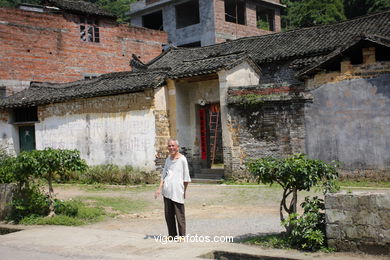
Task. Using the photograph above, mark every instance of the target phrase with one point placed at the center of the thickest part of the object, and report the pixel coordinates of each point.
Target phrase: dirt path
(236, 211)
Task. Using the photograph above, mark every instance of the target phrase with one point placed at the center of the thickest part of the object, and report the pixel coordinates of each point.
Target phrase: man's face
(173, 148)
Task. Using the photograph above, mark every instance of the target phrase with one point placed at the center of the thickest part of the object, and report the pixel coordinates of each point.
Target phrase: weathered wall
(47, 47)
(349, 121)
(7, 134)
(114, 129)
(242, 75)
(358, 222)
(6, 194)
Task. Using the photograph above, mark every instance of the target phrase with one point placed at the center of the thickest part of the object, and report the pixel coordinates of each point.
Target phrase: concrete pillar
(172, 107)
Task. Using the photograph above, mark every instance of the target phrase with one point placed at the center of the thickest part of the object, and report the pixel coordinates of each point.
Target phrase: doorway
(211, 136)
(27, 138)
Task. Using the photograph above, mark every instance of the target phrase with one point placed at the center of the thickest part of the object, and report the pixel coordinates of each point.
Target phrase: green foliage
(68, 213)
(28, 201)
(308, 230)
(15, 3)
(6, 176)
(294, 173)
(114, 174)
(354, 8)
(308, 13)
(273, 241)
(119, 8)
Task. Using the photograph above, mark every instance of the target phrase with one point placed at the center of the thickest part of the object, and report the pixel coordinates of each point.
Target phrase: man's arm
(158, 191)
(185, 188)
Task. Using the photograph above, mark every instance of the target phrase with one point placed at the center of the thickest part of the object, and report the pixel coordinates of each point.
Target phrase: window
(25, 114)
(187, 14)
(153, 21)
(3, 92)
(89, 30)
(235, 11)
(191, 45)
(90, 76)
(265, 18)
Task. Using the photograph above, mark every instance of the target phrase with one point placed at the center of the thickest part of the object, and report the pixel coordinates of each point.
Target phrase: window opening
(187, 14)
(190, 45)
(3, 92)
(25, 114)
(265, 18)
(235, 11)
(89, 30)
(153, 21)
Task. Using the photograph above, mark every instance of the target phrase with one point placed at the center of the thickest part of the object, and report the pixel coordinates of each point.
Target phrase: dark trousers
(175, 212)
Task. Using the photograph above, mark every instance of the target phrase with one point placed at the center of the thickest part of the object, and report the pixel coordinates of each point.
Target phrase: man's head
(173, 147)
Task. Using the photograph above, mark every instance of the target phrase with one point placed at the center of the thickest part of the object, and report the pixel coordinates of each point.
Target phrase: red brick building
(64, 41)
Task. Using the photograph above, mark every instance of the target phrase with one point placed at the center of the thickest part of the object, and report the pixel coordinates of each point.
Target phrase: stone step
(212, 171)
(208, 181)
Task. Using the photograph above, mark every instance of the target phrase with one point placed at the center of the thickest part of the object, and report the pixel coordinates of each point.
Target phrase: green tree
(48, 164)
(308, 13)
(294, 173)
(15, 3)
(354, 8)
(56, 163)
(118, 8)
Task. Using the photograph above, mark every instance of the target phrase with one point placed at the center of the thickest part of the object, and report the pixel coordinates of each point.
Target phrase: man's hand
(157, 193)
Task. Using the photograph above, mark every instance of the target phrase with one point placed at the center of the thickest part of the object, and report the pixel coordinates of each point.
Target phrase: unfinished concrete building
(192, 23)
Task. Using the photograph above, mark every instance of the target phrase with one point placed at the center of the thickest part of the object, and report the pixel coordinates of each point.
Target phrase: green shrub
(308, 230)
(69, 208)
(29, 201)
(114, 174)
(294, 173)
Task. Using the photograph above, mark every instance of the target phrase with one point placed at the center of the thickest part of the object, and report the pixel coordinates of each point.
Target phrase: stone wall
(6, 194)
(358, 222)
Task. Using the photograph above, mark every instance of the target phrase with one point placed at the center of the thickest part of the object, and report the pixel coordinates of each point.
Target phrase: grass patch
(368, 184)
(120, 204)
(279, 241)
(80, 214)
(269, 241)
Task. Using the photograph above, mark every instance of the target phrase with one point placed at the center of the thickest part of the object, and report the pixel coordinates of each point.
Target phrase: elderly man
(174, 181)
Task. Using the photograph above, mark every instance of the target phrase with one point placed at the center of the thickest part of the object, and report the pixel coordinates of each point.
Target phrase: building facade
(203, 22)
(228, 103)
(61, 42)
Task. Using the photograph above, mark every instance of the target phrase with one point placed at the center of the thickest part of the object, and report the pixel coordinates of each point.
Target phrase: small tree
(48, 164)
(294, 174)
(53, 163)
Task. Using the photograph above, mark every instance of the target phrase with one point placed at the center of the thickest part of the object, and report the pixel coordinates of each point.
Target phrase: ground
(137, 219)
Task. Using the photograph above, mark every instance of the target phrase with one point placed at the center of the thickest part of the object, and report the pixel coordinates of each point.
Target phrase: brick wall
(358, 222)
(227, 30)
(47, 47)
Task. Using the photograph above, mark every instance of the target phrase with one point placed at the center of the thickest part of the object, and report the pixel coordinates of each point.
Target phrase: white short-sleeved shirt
(175, 173)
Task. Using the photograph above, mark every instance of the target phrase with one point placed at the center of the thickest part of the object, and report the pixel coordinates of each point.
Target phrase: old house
(323, 91)
(67, 40)
(194, 23)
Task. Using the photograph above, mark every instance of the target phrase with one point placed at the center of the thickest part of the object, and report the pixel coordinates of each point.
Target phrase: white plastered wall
(125, 138)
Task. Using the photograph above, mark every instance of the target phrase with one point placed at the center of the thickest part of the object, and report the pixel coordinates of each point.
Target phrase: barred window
(89, 30)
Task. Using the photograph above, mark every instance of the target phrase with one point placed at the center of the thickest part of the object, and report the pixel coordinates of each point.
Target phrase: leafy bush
(69, 208)
(294, 173)
(68, 213)
(6, 176)
(29, 201)
(308, 230)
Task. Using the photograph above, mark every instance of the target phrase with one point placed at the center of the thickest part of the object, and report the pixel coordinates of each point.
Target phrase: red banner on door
(203, 135)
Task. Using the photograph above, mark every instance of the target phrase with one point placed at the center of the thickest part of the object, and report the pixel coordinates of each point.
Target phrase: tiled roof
(79, 6)
(107, 84)
(306, 44)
